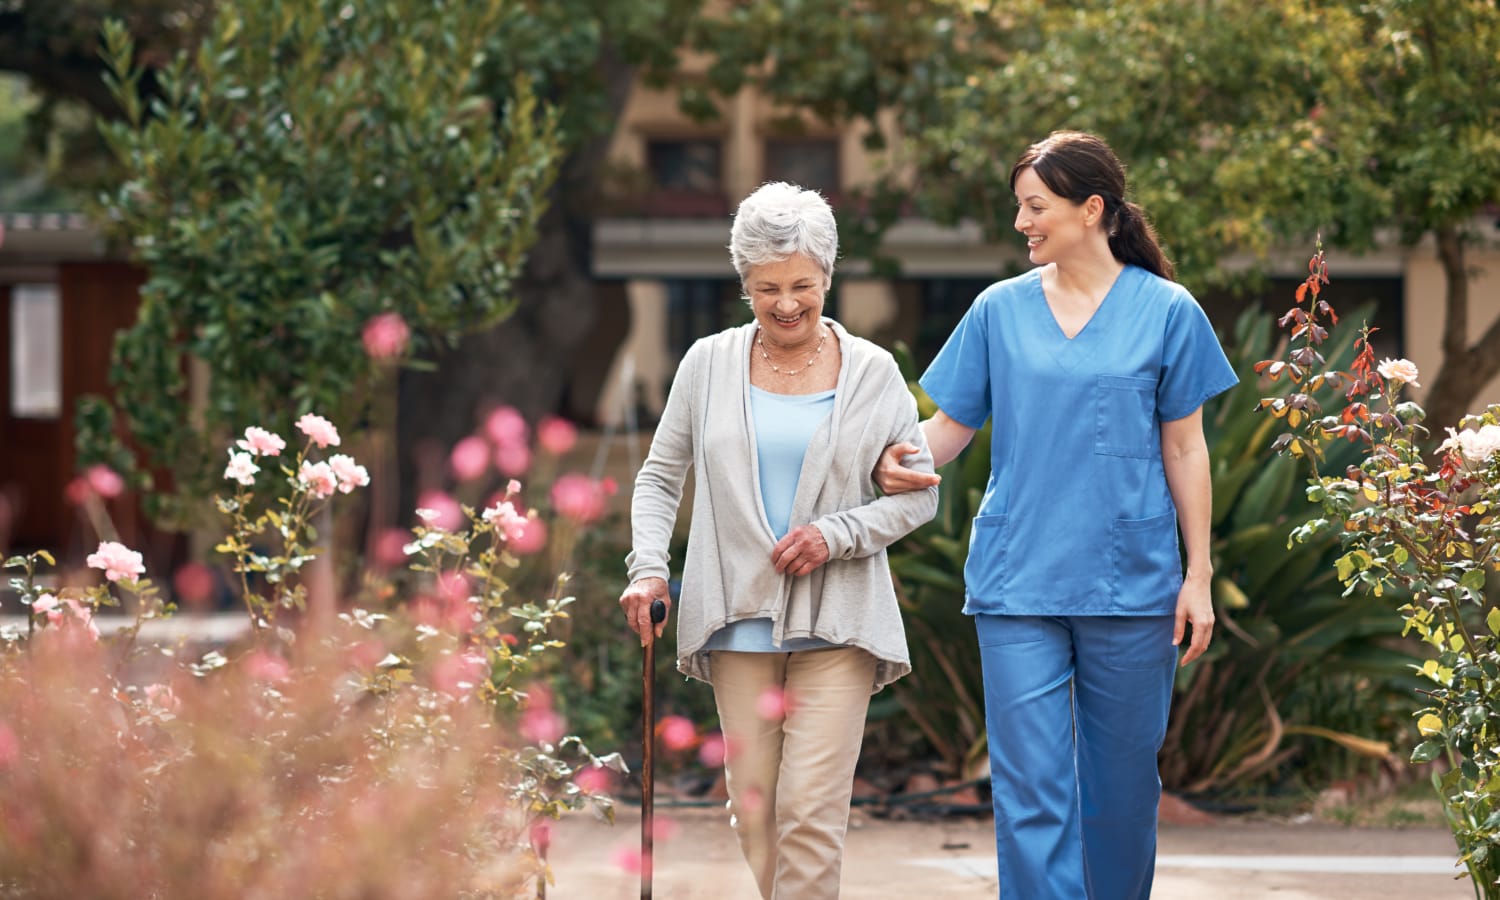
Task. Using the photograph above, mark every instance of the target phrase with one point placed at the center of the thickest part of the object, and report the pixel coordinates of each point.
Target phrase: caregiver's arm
(946, 438)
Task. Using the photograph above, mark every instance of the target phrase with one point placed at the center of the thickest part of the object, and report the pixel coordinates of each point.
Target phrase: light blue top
(784, 425)
(1077, 518)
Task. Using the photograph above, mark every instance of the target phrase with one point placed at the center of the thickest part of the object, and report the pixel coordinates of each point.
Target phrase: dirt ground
(697, 859)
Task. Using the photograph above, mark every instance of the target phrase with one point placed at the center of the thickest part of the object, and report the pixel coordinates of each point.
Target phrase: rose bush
(1416, 524)
(402, 749)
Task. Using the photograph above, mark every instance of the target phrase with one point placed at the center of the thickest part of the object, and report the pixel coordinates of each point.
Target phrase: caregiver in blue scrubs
(1094, 367)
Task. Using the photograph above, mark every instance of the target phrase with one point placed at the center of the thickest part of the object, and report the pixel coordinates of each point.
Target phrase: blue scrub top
(1077, 518)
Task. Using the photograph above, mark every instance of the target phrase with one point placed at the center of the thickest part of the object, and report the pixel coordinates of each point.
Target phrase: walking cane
(648, 743)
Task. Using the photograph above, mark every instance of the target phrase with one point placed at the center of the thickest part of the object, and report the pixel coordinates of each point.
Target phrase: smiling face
(1054, 226)
(787, 299)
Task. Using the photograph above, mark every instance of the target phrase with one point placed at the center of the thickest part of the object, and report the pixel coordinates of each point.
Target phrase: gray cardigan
(707, 425)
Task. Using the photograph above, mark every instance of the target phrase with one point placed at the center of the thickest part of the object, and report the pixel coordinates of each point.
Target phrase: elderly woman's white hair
(781, 220)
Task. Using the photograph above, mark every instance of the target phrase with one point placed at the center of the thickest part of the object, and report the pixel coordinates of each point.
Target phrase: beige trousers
(790, 778)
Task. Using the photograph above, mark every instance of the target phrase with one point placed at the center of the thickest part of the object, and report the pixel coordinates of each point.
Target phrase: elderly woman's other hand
(636, 601)
(802, 550)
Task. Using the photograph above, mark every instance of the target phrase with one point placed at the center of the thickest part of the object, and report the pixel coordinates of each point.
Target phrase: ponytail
(1133, 241)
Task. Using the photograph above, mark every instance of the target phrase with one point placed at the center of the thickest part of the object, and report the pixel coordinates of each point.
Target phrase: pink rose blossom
(78, 491)
(446, 514)
(542, 726)
(460, 673)
(319, 429)
(44, 603)
(677, 732)
(512, 487)
(350, 474)
(1403, 370)
(366, 655)
(261, 442)
(628, 859)
(264, 666)
(593, 780)
(512, 459)
(506, 519)
(104, 481)
(10, 747)
(541, 836)
(711, 751)
(771, 705)
(318, 478)
(470, 458)
(194, 585)
(506, 426)
(241, 468)
(579, 498)
(557, 436)
(117, 561)
(529, 539)
(386, 336)
(389, 545)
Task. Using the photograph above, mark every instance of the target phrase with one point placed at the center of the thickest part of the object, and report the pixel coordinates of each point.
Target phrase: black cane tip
(658, 611)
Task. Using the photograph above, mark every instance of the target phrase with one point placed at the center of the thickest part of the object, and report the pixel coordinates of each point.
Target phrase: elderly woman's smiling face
(787, 299)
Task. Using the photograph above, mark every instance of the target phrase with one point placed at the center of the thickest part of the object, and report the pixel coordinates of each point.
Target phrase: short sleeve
(1194, 367)
(958, 380)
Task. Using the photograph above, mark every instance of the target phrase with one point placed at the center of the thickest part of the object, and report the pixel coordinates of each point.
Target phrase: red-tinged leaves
(1302, 292)
(1327, 309)
(1260, 367)
(1281, 443)
(1319, 334)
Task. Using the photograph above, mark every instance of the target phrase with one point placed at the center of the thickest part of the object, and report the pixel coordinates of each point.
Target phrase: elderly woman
(787, 606)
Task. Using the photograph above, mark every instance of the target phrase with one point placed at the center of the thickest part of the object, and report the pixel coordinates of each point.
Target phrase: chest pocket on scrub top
(1126, 416)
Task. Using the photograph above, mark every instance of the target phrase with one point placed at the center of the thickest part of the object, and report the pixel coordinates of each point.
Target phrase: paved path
(698, 860)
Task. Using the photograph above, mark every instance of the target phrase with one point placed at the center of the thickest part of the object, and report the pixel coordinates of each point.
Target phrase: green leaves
(301, 172)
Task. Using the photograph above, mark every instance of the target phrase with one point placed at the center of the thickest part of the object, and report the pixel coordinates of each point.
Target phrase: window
(807, 162)
(35, 352)
(686, 165)
(698, 307)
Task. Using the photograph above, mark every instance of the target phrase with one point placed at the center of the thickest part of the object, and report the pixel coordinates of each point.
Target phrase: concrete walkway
(697, 859)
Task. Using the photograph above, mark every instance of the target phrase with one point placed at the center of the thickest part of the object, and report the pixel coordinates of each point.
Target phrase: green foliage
(309, 165)
(1282, 619)
(1424, 530)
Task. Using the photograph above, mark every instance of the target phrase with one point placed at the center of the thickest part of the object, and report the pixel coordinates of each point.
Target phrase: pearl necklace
(811, 358)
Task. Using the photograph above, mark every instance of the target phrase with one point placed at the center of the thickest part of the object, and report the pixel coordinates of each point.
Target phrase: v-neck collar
(1070, 351)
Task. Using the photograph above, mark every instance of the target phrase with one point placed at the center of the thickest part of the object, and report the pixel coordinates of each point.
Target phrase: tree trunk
(527, 360)
(1465, 369)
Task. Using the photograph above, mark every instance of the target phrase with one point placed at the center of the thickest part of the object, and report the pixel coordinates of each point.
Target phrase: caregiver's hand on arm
(636, 601)
(945, 437)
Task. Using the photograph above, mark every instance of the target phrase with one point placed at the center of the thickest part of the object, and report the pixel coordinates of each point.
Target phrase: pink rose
(264, 666)
(711, 751)
(117, 561)
(579, 498)
(442, 511)
(593, 780)
(386, 336)
(318, 478)
(10, 747)
(161, 697)
(261, 442)
(194, 584)
(350, 474)
(677, 732)
(528, 538)
(1402, 370)
(513, 459)
(104, 481)
(470, 458)
(557, 436)
(241, 468)
(319, 429)
(43, 604)
(505, 426)
(460, 673)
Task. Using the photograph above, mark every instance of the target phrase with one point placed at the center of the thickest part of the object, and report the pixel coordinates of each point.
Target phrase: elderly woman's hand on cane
(637, 600)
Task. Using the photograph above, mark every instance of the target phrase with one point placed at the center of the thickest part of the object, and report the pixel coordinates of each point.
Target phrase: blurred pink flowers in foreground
(581, 498)
(556, 435)
(117, 560)
(386, 336)
(677, 732)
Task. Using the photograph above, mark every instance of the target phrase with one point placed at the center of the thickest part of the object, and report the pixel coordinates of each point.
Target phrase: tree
(306, 167)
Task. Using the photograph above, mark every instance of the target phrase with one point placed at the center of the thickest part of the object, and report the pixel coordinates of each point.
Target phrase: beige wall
(1425, 289)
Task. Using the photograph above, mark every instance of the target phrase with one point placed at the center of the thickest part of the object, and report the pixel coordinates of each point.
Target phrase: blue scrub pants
(1076, 709)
